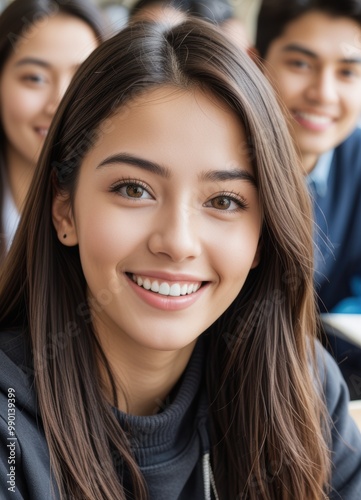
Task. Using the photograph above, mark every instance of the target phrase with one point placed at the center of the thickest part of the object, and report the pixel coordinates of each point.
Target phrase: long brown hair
(267, 427)
(16, 22)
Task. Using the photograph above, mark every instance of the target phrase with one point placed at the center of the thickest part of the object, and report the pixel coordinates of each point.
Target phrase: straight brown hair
(268, 431)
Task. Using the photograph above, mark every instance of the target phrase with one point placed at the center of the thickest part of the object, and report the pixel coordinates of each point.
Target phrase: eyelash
(298, 63)
(34, 78)
(301, 65)
(115, 188)
(348, 73)
(232, 196)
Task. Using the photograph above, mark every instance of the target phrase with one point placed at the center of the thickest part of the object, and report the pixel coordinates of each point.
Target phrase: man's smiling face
(315, 66)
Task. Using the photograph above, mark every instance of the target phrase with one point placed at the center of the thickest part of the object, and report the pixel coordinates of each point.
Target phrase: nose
(176, 235)
(323, 88)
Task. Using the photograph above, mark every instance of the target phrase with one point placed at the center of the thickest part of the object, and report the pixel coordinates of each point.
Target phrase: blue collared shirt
(317, 182)
(318, 177)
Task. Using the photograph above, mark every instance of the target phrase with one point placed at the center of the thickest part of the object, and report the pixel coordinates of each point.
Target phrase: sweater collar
(161, 437)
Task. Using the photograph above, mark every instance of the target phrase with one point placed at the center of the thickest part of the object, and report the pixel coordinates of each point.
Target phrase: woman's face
(34, 78)
(167, 219)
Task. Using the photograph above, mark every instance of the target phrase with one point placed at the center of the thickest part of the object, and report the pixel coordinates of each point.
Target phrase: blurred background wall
(245, 10)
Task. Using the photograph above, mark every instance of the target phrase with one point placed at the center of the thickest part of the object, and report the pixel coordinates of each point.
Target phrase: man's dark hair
(275, 15)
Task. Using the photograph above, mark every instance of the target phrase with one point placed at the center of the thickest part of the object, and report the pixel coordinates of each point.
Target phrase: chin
(167, 342)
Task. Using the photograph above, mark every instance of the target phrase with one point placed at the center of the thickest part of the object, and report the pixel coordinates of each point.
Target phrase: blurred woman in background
(42, 43)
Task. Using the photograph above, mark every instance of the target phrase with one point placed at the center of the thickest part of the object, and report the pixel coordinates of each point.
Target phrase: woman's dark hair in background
(275, 15)
(214, 11)
(265, 412)
(18, 19)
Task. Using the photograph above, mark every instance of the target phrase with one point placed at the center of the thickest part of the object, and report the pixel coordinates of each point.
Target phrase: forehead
(329, 36)
(59, 38)
(184, 129)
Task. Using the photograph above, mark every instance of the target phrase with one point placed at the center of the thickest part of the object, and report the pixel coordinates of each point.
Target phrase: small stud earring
(64, 236)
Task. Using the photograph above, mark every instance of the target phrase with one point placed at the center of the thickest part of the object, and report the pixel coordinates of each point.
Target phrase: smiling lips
(313, 121)
(162, 293)
(166, 288)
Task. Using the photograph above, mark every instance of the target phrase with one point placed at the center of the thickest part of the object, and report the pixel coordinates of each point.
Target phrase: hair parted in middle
(261, 347)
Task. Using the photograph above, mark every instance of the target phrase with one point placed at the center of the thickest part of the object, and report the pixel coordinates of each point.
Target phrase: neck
(309, 162)
(20, 173)
(144, 377)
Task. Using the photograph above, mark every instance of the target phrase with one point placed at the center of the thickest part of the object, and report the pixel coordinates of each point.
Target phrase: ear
(63, 220)
(257, 256)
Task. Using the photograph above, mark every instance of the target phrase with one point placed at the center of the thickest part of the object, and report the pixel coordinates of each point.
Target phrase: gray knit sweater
(171, 447)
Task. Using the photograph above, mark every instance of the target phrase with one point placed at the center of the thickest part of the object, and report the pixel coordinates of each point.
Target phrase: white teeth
(164, 288)
(320, 120)
(175, 290)
(147, 284)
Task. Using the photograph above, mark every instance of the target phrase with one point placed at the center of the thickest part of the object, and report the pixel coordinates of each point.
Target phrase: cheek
(352, 104)
(234, 256)
(20, 105)
(289, 86)
(108, 236)
(232, 267)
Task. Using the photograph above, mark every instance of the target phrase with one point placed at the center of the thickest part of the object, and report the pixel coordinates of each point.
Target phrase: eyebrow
(294, 47)
(33, 60)
(40, 62)
(135, 161)
(237, 174)
(155, 168)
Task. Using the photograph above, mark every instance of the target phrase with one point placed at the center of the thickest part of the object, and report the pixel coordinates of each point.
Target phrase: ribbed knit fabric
(172, 446)
(169, 445)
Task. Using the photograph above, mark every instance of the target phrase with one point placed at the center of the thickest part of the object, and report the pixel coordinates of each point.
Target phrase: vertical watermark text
(11, 441)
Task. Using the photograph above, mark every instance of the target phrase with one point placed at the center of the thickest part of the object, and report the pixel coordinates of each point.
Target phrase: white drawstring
(208, 479)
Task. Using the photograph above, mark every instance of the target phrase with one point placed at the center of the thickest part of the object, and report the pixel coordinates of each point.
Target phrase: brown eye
(131, 190)
(221, 203)
(227, 203)
(134, 191)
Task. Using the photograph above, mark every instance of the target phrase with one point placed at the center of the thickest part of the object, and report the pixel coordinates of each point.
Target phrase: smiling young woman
(148, 303)
(42, 43)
